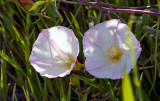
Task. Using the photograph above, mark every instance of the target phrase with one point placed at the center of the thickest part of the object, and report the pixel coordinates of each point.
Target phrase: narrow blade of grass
(69, 93)
(14, 97)
(155, 69)
(62, 93)
(127, 91)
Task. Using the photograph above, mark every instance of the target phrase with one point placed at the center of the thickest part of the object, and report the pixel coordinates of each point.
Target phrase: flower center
(69, 62)
(114, 54)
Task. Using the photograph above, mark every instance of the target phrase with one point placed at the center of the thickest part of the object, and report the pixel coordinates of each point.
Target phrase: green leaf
(52, 90)
(69, 93)
(52, 10)
(69, 21)
(138, 29)
(62, 94)
(86, 95)
(151, 30)
(9, 60)
(112, 93)
(99, 18)
(45, 90)
(26, 92)
(75, 22)
(156, 61)
(89, 82)
(36, 4)
(158, 1)
(145, 96)
(127, 91)
(3, 80)
(14, 95)
(146, 19)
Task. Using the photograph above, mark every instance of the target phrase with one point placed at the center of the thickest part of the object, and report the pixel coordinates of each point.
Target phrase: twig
(110, 5)
(123, 7)
(110, 10)
(71, 2)
(47, 17)
(140, 68)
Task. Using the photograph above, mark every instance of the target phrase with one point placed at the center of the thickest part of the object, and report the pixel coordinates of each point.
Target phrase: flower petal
(112, 71)
(99, 34)
(127, 38)
(94, 55)
(55, 51)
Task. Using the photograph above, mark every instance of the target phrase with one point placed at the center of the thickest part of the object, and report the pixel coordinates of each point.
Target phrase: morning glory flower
(54, 53)
(107, 47)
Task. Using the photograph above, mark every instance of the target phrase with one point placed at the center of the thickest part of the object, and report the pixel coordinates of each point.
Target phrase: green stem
(155, 72)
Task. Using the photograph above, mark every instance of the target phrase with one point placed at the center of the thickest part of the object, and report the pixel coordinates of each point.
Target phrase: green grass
(20, 27)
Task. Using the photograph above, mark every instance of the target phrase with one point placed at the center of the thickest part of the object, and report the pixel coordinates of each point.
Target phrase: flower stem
(111, 10)
(147, 67)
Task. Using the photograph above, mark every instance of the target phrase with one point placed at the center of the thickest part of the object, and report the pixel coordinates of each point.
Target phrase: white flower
(54, 54)
(107, 46)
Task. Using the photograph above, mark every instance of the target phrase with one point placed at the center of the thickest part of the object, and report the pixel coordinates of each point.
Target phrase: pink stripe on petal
(41, 63)
(53, 44)
(57, 48)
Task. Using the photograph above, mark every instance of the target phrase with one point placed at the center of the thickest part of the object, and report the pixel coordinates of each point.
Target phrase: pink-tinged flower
(54, 53)
(107, 48)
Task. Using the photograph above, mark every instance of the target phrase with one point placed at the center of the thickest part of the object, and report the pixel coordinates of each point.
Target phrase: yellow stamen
(69, 61)
(114, 54)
